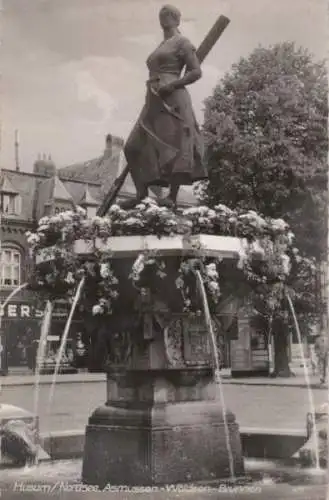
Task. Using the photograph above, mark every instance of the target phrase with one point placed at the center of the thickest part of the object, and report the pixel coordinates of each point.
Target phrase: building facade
(24, 199)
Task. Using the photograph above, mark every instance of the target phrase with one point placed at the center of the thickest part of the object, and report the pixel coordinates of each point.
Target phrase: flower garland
(107, 288)
(149, 218)
(186, 284)
(266, 258)
(145, 268)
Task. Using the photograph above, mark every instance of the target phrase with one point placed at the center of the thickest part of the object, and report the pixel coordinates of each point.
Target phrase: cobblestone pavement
(271, 407)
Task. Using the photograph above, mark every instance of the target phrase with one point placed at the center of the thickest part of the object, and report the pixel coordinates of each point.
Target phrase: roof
(59, 191)
(100, 170)
(25, 186)
(87, 199)
(6, 186)
(106, 169)
(36, 190)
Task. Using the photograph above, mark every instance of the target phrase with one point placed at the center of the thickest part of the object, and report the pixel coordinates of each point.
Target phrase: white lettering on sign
(25, 311)
(28, 311)
(12, 311)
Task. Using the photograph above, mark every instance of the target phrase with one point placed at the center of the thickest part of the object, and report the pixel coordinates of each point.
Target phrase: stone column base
(159, 443)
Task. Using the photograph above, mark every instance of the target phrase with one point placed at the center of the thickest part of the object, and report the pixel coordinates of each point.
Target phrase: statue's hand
(166, 90)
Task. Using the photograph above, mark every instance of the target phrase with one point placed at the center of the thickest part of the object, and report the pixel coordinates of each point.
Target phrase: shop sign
(18, 310)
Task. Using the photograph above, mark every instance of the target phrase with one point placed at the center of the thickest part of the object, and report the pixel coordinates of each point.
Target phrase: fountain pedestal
(165, 428)
(163, 421)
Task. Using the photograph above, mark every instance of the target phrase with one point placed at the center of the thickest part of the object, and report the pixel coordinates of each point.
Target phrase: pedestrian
(314, 360)
(321, 351)
(80, 352)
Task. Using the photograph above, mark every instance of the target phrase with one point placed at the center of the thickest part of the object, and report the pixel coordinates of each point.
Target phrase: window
(10, 204)
(10, 267)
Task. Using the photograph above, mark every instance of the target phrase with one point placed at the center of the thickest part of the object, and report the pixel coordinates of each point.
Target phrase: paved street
(270, 407)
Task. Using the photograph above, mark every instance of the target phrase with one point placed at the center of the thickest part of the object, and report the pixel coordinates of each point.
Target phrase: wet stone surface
(264, 480)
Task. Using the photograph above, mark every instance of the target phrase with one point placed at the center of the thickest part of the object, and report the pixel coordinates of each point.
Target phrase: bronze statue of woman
(165, 147)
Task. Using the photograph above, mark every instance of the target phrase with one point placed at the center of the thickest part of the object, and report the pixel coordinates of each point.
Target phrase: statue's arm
(192, 68)
(193, 71)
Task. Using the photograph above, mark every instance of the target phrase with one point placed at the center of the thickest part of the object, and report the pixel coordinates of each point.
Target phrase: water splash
(64, 341)
(308, 383)
(12, 294)
(41, 352)
(217, 376)
(2, 306)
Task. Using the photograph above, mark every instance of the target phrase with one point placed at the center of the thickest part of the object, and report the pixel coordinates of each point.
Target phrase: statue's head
(169, 17)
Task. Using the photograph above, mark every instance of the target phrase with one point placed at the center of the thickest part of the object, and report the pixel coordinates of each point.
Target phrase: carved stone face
(169, 17)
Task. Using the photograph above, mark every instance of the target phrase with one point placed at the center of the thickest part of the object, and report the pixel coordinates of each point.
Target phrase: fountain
(148, 280)
(161, 395)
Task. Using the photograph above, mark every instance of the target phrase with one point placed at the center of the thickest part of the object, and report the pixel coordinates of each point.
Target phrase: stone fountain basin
(10, 413)
(226, 247)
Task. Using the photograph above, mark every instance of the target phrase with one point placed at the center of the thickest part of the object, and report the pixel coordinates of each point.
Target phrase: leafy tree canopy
(266, 141)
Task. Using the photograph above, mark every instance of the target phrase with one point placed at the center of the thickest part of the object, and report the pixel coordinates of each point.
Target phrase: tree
(266, 140)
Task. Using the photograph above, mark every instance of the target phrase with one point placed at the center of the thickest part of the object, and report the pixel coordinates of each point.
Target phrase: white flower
(191, 211)
(114, 209)
(253, 218)
(203, 210)
(44, 220)
(97, 310)
(67, 216)
(131, 221)
(98, 221)
(55, 219)
(290, 237)
(224, 209)
(152, 210)
(204, 220)
(138, 265)
(257, 249)
(211, 214)
(33, 238)
(43, 227)
(104, 270)
(69, 278)
(285, 264)
(149, 201)
(243, 257)
(171, 222)
(211, 271)
(213, 287)
(279, 225)
(80, 210)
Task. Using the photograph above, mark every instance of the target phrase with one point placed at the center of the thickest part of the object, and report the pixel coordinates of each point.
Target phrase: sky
(74, 70)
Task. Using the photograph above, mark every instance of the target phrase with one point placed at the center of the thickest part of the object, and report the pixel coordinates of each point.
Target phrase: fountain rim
(224, 247)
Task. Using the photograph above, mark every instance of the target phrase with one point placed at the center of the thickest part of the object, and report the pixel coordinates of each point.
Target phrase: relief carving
(120, 349)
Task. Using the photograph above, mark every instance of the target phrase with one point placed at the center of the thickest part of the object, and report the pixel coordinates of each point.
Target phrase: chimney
(108, 146)
(16, 151)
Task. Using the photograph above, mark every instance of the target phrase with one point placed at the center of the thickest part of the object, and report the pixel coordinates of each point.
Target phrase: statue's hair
(170, 9)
